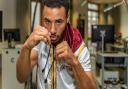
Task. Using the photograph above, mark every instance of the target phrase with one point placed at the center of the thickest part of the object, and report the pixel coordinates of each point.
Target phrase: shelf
(115, 65)
(112, 65)
(112, 60)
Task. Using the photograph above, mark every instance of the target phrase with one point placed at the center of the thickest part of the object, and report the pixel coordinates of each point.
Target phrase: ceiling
(77, 3)
(104, 1)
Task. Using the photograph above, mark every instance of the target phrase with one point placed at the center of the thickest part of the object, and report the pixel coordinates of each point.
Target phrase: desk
(118, 47)
(102, 56)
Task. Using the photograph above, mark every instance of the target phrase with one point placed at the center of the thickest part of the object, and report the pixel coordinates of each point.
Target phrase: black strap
(30, 84)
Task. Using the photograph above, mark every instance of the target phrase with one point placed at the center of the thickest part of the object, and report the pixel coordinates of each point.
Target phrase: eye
(59, 22)
(47, 22)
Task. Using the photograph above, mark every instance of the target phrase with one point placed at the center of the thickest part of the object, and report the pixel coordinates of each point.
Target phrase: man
(58, 50)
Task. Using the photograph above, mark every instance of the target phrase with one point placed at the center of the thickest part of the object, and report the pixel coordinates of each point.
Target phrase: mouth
(53, 38)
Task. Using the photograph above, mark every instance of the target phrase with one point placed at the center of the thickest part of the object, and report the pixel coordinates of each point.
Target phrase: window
(92, 20)
(92, 16)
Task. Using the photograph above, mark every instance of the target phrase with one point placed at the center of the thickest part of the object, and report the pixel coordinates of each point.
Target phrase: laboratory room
(64, 44)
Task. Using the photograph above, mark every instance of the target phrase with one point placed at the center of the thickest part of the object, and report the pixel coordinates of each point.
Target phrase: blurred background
(102, 23)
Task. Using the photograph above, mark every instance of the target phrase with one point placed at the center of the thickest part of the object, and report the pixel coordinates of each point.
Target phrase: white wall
(16, 14)
(23, 18)
(124, 21)
(37, 17)
(9, 13)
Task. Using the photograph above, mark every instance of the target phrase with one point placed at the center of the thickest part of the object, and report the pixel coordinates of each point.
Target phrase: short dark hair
(56, 3)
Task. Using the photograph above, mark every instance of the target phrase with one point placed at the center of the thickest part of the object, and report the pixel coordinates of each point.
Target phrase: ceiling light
(113, 6)
(83, 3)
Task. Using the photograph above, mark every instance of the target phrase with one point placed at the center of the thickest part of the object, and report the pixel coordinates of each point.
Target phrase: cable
(34, 15)
(46, 60)
(30, 81)
(45, 81)
(53, 66)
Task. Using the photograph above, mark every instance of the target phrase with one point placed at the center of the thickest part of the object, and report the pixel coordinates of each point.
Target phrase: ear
(68, 17)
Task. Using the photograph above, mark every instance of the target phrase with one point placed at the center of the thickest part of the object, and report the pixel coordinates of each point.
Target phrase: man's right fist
(39, 34)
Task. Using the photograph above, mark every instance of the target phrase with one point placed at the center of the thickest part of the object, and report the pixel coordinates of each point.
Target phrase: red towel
(73, 37)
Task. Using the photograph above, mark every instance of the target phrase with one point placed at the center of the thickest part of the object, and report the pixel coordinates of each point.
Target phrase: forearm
(83, 81)
(23, 65)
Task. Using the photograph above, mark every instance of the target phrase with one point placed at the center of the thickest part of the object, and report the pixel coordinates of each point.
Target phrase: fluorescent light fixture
(83, 3)
(113, 6)
(108, 8)
(126, 3)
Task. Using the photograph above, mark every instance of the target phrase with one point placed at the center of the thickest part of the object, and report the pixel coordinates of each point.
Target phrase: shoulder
(83, 56)
(82, 48)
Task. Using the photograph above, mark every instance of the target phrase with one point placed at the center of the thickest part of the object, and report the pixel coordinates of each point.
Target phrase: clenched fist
(64, 52)
(39, 34)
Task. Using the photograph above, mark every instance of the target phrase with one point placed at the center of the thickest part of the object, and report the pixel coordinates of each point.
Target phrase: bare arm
(84, 79)
(28, 56)
(25, 64)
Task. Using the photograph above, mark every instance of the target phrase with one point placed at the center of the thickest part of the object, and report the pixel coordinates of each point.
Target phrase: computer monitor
(10, 34)
(109, 33)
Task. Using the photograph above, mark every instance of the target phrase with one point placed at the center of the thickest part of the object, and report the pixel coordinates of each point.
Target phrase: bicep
(33, 57)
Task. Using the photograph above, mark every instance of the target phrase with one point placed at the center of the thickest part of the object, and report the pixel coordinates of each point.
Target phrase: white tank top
(64, 75)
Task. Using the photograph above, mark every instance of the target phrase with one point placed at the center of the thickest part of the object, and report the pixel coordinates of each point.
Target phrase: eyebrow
(46, 19)
(60, 20)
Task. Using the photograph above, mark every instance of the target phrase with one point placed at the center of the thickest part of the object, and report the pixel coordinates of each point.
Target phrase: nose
(53, 30)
